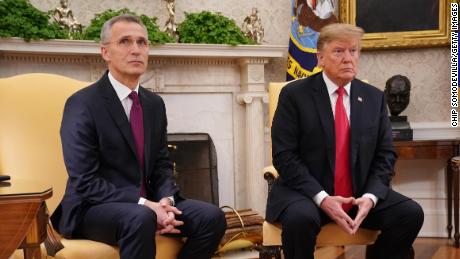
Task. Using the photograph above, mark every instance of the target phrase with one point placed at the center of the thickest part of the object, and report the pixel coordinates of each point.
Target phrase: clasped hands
(166, 216)
(332, 205)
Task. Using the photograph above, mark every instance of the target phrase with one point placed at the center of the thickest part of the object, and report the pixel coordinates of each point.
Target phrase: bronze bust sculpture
(397, 93)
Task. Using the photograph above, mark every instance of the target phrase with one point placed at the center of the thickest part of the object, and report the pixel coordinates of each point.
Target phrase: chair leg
(270, 252)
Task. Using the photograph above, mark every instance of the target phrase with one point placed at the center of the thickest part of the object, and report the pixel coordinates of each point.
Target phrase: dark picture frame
(391, 24)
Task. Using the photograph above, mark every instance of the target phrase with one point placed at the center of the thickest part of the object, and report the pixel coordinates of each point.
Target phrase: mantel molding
(249, 97)
(170, 50)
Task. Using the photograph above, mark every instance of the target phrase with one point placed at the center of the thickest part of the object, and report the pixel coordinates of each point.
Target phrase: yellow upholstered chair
(31, 108)
(330, 234)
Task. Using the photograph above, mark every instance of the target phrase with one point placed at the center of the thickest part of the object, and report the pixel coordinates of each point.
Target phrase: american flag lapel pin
(360, 99)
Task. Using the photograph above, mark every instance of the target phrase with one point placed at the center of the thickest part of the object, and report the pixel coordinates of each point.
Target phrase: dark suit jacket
(100, 157)
(303, 144)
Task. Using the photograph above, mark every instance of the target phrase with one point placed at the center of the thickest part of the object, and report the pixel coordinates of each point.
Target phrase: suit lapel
(356, 106)
(323, 103)
(116, 111)
(147, 111)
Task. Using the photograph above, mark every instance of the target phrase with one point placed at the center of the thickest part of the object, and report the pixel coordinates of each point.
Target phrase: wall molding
(253, 53)
(440, 195)
(434, 130)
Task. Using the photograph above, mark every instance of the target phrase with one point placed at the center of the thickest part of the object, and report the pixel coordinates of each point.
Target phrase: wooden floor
(425, 248)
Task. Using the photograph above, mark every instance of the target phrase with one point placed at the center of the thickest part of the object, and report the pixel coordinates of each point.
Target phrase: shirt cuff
(171, 199)
(372, 197)
(319, 197)
(141, 201)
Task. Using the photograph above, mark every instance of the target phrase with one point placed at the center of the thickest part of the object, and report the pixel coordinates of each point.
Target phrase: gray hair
(105, 31)
(338, 31)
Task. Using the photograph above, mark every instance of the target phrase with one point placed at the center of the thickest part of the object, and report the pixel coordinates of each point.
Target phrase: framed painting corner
(395, 24)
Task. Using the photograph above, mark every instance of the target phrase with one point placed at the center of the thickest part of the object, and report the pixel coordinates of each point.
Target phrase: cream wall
(428, 71)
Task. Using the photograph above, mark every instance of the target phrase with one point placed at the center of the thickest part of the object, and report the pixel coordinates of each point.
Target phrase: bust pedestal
(400, 128)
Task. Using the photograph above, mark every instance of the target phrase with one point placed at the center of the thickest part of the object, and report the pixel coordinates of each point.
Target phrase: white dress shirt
(122, 92)
(333, 95)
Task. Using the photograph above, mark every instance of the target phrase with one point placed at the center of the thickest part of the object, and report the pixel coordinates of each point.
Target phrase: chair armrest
(270, 175)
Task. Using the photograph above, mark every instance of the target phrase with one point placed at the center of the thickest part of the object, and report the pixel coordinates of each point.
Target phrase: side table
(23, 217)
(437, 149)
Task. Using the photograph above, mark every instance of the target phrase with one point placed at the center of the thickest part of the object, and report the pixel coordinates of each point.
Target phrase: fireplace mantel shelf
(90, 48)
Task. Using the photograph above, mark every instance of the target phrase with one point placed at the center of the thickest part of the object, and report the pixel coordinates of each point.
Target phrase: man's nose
(135, 45)
(135, 49)
(347, 56)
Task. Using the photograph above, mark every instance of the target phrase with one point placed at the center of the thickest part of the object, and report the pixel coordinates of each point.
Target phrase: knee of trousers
(416, 215)
(215, 220)
(301, 224)
(209, 221)
(410, 217)
(141, 219)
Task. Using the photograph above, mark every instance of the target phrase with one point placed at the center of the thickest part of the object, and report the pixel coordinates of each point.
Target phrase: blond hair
(338, 31)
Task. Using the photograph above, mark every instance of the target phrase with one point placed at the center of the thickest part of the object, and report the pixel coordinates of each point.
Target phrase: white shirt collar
(122, 90)
(332, 87)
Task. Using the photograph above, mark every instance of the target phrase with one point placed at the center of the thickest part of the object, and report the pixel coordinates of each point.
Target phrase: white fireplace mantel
(214, 89)
(91, 48)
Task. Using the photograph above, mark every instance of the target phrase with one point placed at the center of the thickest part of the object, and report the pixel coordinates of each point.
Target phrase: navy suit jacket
(100, 157)
(303, 144)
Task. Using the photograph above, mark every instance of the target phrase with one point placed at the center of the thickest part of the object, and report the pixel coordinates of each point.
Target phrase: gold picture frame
(432, 37)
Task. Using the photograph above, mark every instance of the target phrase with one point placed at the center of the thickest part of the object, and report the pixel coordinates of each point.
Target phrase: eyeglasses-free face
(339, 60)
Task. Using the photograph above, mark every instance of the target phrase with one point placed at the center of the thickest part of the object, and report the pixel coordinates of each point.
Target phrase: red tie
(137, 126)
(313, 4)
(342, 179)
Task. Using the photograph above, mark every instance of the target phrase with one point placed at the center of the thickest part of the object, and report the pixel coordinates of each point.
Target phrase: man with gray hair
(333, 150)
(121, 190)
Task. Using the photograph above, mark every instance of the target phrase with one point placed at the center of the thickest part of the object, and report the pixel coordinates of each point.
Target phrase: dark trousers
(399, 225)
(132, 227)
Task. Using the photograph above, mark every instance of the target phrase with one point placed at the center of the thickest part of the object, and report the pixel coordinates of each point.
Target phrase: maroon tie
(137, 126)
(342, 179)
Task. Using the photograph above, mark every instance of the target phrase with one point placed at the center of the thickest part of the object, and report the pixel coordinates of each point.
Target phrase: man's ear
(105, 53)
(319, 57)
